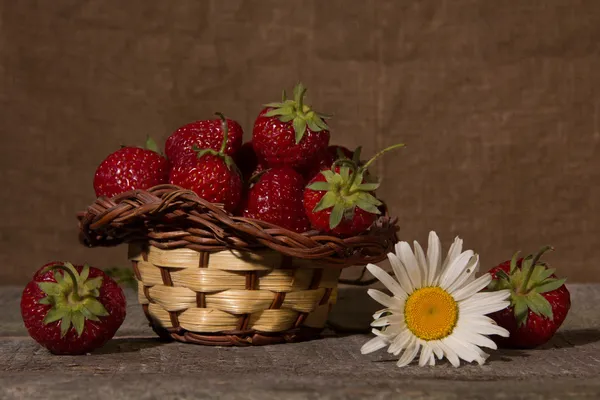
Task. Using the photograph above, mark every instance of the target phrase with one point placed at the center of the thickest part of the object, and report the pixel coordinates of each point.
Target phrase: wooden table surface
(135, 365)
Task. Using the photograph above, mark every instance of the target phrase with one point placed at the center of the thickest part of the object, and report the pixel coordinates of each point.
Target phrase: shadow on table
(128, 345)
(573, 338)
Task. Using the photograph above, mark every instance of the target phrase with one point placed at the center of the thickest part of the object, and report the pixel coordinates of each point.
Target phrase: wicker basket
(210, 278)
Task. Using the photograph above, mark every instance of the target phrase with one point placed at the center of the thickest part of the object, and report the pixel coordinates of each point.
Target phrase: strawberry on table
(342, 200)
(211, 174)
(277, 198)
(290, 133)
(539, 301)
(72, 309)
(204, 134)
(131, 168)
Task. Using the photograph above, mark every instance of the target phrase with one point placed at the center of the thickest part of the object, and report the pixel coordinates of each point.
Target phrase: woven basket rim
(170, 217)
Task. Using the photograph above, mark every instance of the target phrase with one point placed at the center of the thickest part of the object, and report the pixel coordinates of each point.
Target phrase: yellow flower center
(431, 313)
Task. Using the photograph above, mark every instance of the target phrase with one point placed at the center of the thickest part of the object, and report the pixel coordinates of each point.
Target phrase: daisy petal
(462, 351)
(432, 360)
(455, 250)
(421, 263)
(486, 329)
(455, 269)
(387, 280)
(434, 257)
(383, 298)
(489, 297)
(387, 320)
(473, 287)
(380, 313)
(390, 332)
(437, 350)
(400, 342)
(481, 307)
(374, 344)
(466, 275)
(401, 273)
(405, 254)
(450, 354)
(481, 355)
(408, 355)
(476, 339)
(425, 357)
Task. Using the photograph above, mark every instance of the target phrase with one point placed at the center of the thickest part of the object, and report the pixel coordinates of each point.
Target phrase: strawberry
(211, 174)
(326, 159)
(290, 133)
(248, 162)
(72, 309)
(131, 168)
(276, 197)
(539, 301)
(205, 134)
(341, 200)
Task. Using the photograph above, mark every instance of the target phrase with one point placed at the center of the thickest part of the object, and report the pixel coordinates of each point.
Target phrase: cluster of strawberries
(287, 175)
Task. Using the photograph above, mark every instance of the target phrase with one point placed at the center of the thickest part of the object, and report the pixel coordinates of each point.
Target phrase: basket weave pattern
(208, 277)
(230, 297)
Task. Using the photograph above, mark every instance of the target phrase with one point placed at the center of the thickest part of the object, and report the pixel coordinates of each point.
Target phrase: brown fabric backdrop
(498, 102)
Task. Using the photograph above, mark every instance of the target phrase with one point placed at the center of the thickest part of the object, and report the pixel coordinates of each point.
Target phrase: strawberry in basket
(326, 159)
(72, 309)
(211, 174)
(248, 162)
(204, 134)
(131, 168)
(276, 197)
(290, 133)
(342, 200)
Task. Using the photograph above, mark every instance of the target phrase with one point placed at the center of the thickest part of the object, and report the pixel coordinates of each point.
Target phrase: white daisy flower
(436, 307)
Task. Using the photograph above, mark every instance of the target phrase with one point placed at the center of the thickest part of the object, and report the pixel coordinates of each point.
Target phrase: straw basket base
(240, 339)
(232, 298)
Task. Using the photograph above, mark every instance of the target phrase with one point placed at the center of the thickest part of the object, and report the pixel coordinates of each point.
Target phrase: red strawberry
(290, 133)
(211, 174)
(539, 301)
(326, 159)
(341, 201)
(206, 134)
(277, 198)
(248, 162)
(72, 310)
(131, 168)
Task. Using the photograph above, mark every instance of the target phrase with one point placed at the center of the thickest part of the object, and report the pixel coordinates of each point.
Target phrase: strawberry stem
(536, 258)
(340, 162)
(381, 153)
(299, 97)
(56, 267)
(225, 132)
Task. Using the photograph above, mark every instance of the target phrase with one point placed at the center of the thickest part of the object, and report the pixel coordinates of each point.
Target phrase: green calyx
(123, 276)
(221, 153)
(73, 298)
(300, 114)
(526, 285)
(348, 188)
(152, 145)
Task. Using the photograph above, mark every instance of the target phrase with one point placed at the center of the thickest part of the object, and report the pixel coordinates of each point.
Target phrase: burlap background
(498, 102)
